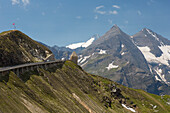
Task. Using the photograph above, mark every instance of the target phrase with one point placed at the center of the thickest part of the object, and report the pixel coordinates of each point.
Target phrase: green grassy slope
(69, 89)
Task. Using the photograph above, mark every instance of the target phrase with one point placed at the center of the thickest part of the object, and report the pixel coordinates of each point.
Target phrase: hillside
(67, 88)
(17, 48)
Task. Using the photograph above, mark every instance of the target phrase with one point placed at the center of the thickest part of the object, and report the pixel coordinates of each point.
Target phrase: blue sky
(62, 22)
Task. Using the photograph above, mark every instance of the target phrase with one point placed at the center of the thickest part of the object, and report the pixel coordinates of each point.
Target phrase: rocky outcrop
(17, 48)
(74, 57)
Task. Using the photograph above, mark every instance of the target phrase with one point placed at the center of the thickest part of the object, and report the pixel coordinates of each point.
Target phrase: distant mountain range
(140, 61)
(65, 52)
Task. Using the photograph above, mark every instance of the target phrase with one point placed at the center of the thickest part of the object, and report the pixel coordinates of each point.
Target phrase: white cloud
(96, 17)
(78, 17)
(14, 2)
(99, 11)
(116, 6)
(26, 2)
(99, 7)
(113, 12)
(102, 12)
(150, 2)
(139, 12)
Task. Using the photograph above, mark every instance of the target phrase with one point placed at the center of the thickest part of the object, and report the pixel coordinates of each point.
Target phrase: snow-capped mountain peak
(82, 44)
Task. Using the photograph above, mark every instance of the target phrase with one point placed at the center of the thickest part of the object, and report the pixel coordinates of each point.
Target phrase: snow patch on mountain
(88, 43)
(111, 66)
(150, 68)
(102, 51)
(164, 58)
(147, 54)
(166, 53)
(131, 109)
(156, 77)
(159, 72)
(83, 59)
(75, 46)
(81, 44)
(80, 58)
(153, 34)
(84, 64)
(122, 53)
(122, 46)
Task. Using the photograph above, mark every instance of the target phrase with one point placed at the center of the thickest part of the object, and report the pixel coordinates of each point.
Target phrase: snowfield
(152, 58)
(162, 76)
(102, 51)
(111, 66)
(122, 53)
(156, 77)
(131, 109)
(81, 44)
(84, 59)
(122, 46)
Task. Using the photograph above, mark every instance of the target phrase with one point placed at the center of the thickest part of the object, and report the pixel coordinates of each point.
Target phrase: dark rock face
(17, 48)
(115, 42)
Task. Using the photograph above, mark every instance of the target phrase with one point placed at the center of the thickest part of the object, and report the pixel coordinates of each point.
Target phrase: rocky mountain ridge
(118, 57)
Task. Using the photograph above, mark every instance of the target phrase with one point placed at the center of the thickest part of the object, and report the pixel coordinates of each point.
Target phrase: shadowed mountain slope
(17, 48)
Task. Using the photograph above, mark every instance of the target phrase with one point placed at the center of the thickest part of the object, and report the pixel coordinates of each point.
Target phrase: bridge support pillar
(17, 72)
